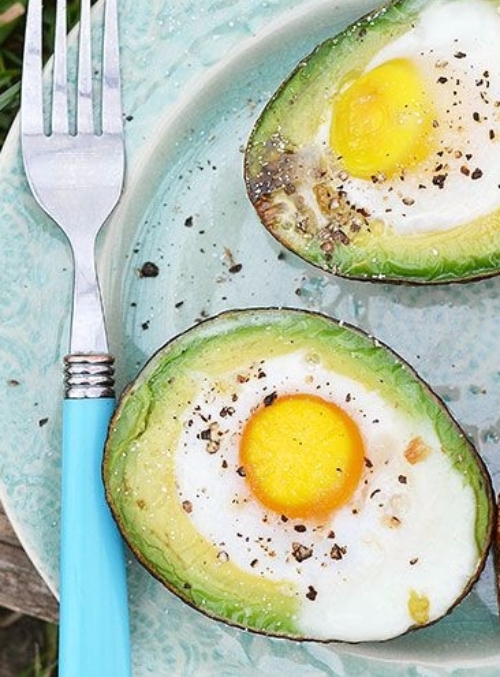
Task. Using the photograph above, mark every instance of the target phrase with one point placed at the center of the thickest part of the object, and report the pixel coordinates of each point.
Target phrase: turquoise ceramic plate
(196, 76)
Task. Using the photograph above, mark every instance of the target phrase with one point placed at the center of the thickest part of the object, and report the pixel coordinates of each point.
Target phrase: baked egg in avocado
(379, 157)
(286, 473)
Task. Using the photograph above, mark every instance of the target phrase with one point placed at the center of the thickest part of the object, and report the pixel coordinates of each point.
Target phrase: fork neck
(89, 376)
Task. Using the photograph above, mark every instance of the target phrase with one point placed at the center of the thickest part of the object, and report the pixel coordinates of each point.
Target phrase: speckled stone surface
(195, 77)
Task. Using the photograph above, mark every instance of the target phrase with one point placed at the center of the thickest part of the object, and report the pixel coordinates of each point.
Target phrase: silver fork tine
(84, 116)
(112, 122)
(32, 92)
(60, 82)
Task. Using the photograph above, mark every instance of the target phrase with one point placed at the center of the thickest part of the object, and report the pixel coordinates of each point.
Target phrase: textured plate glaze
(196, 76)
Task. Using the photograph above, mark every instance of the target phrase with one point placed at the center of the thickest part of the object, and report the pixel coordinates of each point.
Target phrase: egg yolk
(382, 122)
(302, 456)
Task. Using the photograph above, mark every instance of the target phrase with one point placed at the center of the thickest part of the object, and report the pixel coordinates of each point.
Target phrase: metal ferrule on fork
(89, 376)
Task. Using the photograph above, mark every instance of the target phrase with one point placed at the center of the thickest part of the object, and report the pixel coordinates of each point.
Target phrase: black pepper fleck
(226, 411)
(439, 180)
(301, 552)
(338, 551)
(311, 593)
(270, 399)
(149, 269)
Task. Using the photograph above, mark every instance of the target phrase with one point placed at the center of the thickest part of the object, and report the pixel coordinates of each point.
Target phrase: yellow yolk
(383, 121)
(302, 456)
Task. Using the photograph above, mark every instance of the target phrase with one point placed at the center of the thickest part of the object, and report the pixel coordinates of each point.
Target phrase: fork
(76, 176)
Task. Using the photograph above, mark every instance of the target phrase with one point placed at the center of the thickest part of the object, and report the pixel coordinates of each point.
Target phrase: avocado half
(294, 183)
(146, 482)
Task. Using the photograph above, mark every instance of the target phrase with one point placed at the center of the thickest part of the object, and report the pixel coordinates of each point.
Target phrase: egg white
(407, 527)
(467, 113)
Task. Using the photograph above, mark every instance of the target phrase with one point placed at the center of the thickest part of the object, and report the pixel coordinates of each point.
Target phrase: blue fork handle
(94, 636)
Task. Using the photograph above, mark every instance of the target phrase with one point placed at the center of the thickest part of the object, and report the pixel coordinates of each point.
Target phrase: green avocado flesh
(414, 226)
(179, 494)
